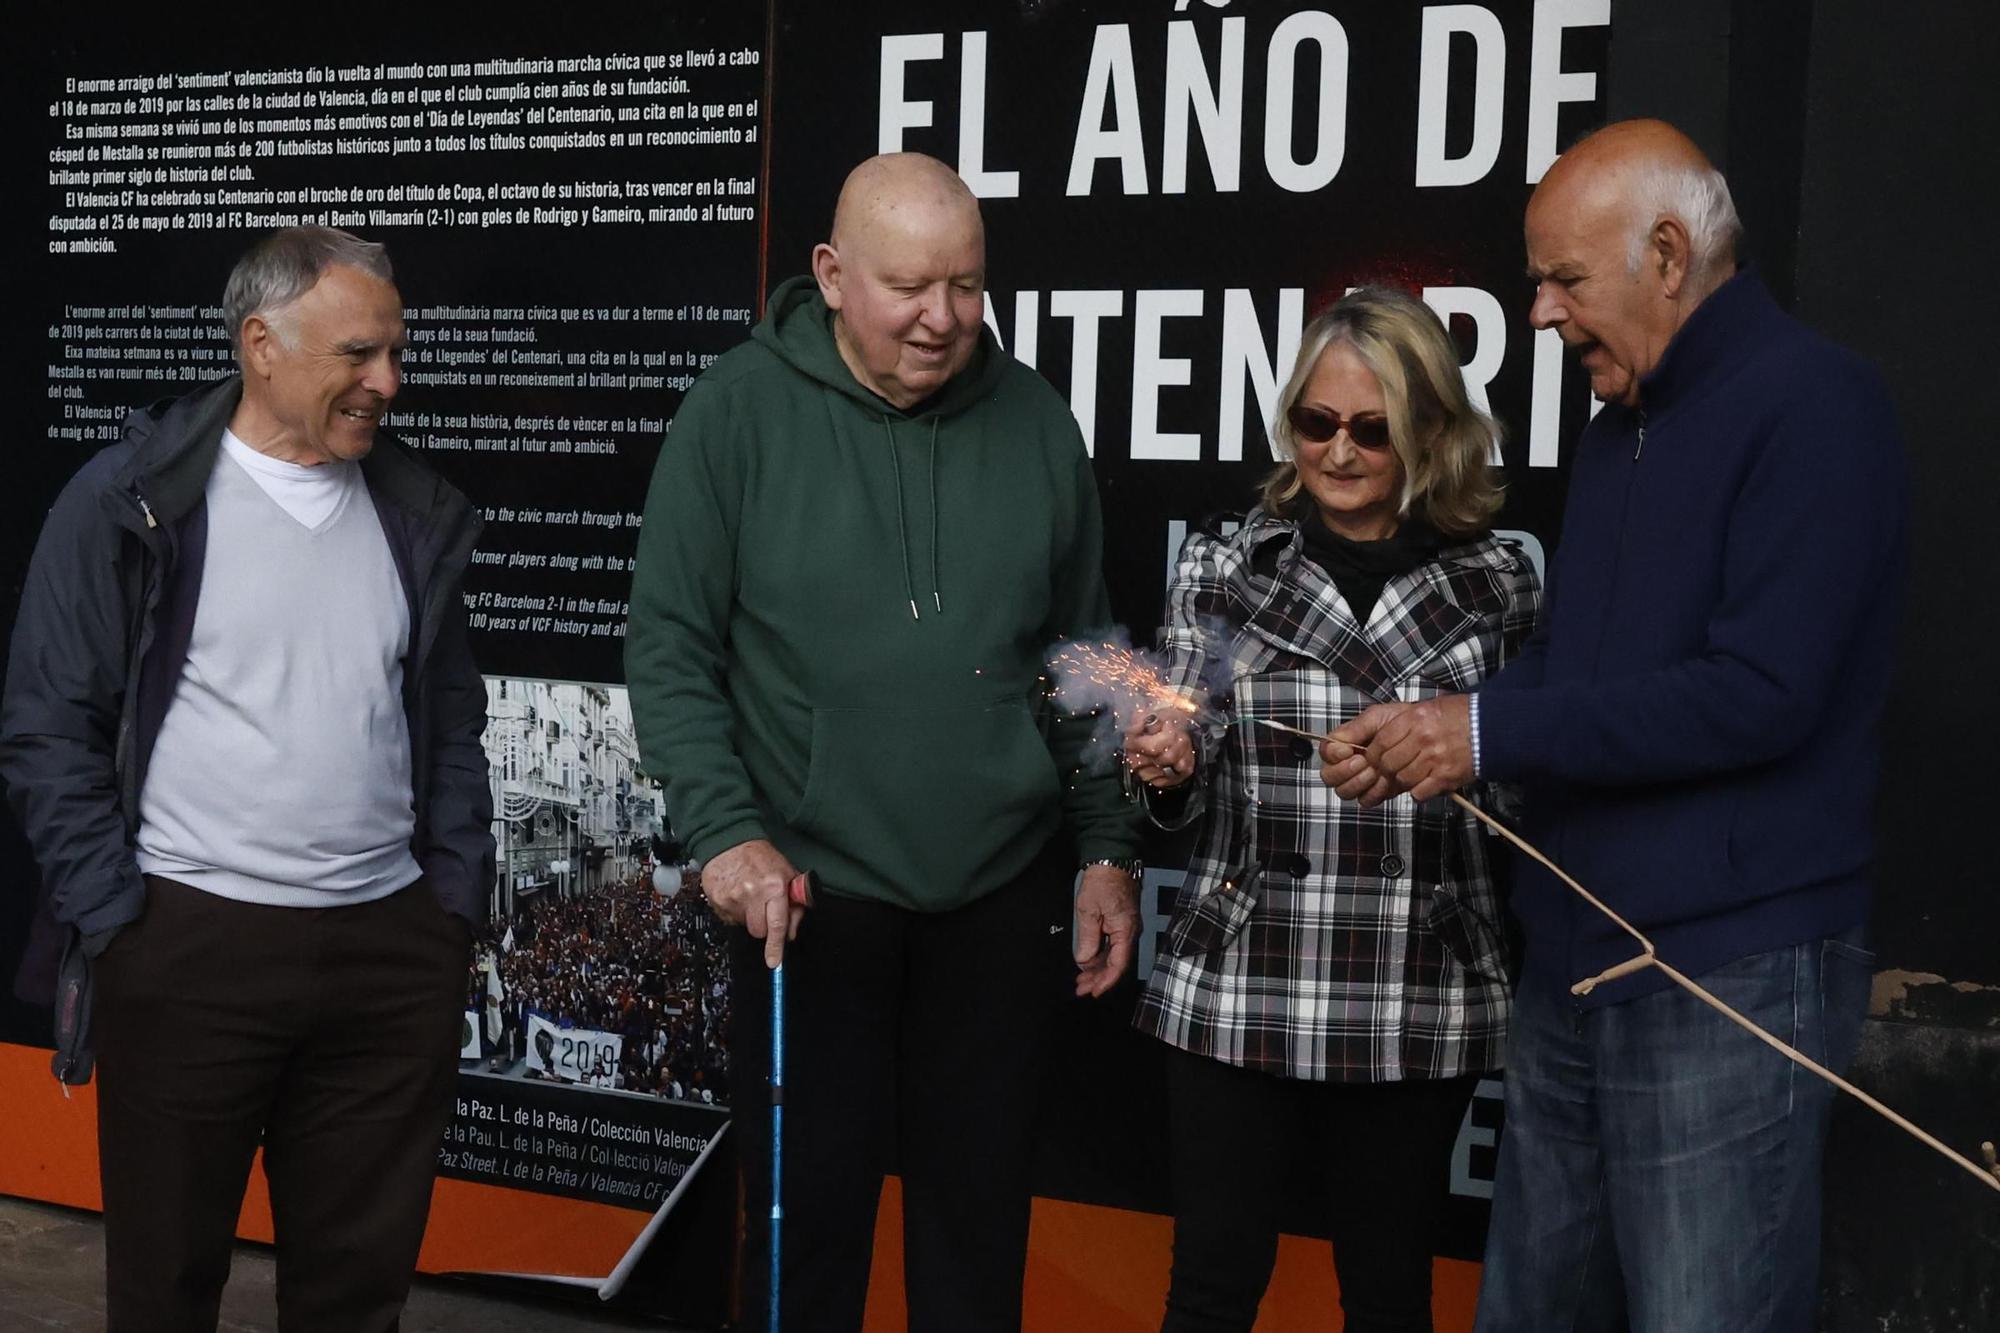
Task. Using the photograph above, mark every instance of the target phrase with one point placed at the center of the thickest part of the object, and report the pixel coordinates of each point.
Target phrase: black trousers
(1236, 1139)
(913, 1043)
(328, 1034)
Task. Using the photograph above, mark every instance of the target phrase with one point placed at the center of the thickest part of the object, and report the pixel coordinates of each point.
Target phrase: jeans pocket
(1846, 977)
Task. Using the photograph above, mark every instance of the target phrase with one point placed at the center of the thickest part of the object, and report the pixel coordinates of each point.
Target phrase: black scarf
(1360, 569)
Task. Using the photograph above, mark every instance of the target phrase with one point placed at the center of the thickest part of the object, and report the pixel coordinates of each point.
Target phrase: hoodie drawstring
(902, 524)
(937, 593)
(902, 528)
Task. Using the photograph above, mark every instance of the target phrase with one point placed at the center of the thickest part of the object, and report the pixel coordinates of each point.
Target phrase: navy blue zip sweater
(1695, 718)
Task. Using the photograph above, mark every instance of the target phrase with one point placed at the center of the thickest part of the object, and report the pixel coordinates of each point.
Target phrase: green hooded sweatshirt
(840, 612)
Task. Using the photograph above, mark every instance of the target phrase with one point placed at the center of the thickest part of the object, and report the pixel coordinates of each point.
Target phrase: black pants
(1236, 1139)
(913, 1043)
(331, 1035)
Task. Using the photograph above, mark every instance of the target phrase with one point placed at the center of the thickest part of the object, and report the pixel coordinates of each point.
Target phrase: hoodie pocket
(926, 797)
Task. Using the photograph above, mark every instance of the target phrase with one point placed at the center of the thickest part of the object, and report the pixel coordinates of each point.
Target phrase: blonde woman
(1332, 975)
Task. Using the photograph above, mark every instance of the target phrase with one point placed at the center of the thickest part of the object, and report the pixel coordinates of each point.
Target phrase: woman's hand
(1160, 749)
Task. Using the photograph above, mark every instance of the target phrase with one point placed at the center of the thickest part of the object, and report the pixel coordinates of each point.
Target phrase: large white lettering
(1434, 168)
(1216, 107)
(1084, 310)
(897, 112)
(1152, 371)
(1112, 85)
(1549, 85)
(1324, 31)
(1245, 354)
(1489, 349)
(972, 125)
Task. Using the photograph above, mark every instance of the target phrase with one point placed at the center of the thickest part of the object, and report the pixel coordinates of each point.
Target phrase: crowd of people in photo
(623, 959)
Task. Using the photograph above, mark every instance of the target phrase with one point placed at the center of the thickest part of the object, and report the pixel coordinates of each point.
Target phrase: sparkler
(1095, 674)
(1989, 1175)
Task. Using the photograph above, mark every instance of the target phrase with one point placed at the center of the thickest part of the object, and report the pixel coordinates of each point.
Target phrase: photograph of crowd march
(600, 964)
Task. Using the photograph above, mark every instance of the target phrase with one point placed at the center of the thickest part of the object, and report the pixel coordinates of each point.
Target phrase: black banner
(575, 221)
(1171, 189)
(583, 217)
(615, 1148)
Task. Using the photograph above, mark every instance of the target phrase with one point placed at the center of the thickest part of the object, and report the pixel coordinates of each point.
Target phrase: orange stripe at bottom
(1105, 1269)
(1102, 1269)
(48, 1151)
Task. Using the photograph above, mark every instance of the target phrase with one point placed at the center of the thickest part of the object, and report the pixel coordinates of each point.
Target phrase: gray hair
(1699, 197)
(287, 264)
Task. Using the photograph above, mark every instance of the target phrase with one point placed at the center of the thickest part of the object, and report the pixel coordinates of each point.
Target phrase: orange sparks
(1101, 669)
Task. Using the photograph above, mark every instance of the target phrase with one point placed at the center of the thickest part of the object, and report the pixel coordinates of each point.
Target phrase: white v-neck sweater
(281, 774)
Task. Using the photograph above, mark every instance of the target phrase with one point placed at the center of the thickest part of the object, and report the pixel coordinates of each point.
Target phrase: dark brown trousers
(331, 1036)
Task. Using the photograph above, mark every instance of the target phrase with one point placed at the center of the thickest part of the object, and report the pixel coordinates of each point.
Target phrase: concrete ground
(52, 1277)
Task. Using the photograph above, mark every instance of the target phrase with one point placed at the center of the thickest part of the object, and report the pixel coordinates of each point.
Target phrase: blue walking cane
(800, 891)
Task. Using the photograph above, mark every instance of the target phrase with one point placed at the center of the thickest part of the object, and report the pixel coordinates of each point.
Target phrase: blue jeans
(1659, 1167)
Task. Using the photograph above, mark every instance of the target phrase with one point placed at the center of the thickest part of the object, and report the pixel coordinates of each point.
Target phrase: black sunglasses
(1317, 426)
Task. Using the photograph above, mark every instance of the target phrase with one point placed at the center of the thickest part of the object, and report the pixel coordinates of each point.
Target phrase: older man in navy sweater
(1695, 721)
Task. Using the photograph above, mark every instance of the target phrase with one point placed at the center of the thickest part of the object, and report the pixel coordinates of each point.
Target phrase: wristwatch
(1131, 865)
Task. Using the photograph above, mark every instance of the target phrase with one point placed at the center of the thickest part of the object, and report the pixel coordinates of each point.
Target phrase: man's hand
(1160, 750)
(1343, 758)
(1423, 748)
(1344, 766)
(1107, 928)
(749, 885)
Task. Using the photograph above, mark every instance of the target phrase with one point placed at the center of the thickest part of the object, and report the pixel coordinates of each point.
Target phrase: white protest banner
(575, 1055)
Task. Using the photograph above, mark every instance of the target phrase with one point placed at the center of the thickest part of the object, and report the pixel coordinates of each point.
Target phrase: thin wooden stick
(1981, 1174)
(1988, 1176)
(1561, 874)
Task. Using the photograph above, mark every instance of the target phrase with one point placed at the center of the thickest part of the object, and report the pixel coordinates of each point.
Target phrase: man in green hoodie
(867, 526)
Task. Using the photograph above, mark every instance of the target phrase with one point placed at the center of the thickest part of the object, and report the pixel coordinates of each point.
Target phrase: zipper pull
(1640, 447)
(145, 509)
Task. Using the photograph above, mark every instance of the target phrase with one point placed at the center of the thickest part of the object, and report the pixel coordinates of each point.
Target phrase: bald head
(1636, 174)
(894, 194)
(1620, 146)
(905, 275)
(1628, 232)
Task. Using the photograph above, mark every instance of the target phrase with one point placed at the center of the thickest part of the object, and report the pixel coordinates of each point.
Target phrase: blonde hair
(1444, 443)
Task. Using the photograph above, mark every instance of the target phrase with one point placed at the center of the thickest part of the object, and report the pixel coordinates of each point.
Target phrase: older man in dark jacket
(241, 729)
(1695, 724)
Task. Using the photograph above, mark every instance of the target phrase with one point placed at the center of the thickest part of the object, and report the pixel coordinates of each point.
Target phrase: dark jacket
(835, 602)
(105, 620)
(1695, 719)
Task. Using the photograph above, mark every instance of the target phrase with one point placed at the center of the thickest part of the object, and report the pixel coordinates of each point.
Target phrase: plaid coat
(1314, 939)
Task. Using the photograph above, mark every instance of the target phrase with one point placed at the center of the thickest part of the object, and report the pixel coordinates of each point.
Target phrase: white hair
(1698, 197)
